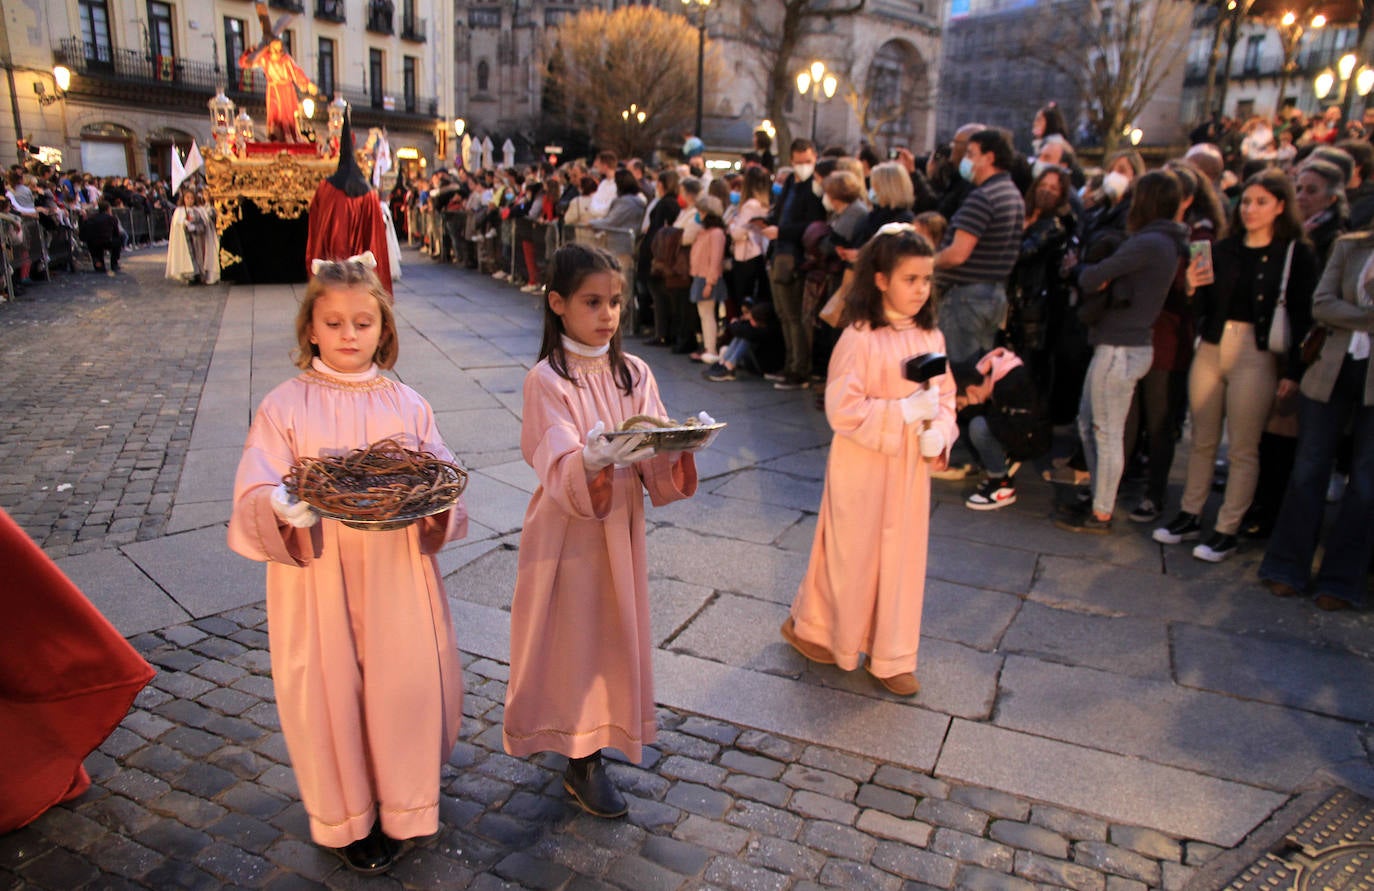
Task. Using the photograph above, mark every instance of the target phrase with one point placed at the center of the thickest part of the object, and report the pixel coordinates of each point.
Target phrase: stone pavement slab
(1119, 788)
(183, 565)
(1119, 644)
(1280, 671)
(1152, 719)
(122, 592)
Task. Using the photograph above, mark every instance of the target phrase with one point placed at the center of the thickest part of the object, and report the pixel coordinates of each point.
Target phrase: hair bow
(365, 259)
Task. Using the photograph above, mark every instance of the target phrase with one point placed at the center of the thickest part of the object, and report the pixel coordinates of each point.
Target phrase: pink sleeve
(667, 477)
(873, 423)
(717, 256)
(440, 529)
(255, 531)
(552, 444)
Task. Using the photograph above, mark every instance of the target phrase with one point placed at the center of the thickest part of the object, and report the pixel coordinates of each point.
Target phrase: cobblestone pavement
(98, 392)
(194, 791)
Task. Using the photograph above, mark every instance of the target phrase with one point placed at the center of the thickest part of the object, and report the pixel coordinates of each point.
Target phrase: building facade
(142, 72)
(886, 56)
(1256, 77)
(985, 79)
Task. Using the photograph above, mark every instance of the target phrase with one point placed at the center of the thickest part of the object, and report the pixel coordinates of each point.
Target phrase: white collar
(581, 349)
(318, 364)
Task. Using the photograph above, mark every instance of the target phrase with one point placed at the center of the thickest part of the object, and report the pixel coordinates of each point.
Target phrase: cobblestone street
(1098, 715)
(101, 380)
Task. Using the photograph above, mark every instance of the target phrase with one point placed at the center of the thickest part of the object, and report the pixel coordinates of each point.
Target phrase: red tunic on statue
(342, 227)
(67, 678)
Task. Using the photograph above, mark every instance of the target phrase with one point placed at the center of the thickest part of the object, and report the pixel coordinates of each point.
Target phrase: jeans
(1160, 399)
(1106, 401)
(970, 316)
(989, 451)
(739, 353)
(1293, 542)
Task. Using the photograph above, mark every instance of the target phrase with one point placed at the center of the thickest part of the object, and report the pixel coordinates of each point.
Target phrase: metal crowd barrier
(620, 242)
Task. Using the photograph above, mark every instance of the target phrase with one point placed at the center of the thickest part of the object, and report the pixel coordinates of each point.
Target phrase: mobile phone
(1203, 250)
(892, 154)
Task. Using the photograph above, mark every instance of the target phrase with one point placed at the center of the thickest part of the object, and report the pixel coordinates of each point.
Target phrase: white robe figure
(393, 244)
(191, 254)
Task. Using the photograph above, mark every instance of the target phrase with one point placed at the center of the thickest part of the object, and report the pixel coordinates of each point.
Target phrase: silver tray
(400, 521)
(674, 439)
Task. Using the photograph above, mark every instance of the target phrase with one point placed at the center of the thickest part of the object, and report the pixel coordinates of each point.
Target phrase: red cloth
(299, 149)
(67, 678)
(342, 227)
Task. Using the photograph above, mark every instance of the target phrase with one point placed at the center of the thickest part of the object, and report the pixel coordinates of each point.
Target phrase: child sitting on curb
(1000, 411)
(755, 345)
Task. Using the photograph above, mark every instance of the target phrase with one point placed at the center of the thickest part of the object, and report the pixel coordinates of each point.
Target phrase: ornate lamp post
(632, 115)
(820, 84)
(222, 122)
(1323, 83)
(701, 6)
(243, 131)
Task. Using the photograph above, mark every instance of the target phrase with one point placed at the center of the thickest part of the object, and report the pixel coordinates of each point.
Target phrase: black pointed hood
(348, 178)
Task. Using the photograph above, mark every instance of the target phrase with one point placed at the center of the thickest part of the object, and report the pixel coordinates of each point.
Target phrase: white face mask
(827, 204)
(1115, 185)
(803, 172)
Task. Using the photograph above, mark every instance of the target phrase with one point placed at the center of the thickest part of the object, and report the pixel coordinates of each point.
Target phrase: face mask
(966, 168)
(682, 201)
(872, 196)
(802, 172)
(1114, 184)
(734, 197)
(827, 204)
(777, 189)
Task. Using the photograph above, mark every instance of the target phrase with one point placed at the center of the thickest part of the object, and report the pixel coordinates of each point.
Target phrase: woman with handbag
(1252, 317)
(1122, 297)
(1338, 389)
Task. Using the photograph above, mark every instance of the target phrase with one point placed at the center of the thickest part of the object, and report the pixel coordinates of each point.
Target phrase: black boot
(369, 856)
(587, 781)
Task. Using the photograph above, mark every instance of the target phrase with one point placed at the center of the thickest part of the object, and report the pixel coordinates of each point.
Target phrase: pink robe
(364, 659)
(581, 672)
(865, 583)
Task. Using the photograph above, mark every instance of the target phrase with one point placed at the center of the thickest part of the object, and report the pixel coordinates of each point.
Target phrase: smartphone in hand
(1200, 254)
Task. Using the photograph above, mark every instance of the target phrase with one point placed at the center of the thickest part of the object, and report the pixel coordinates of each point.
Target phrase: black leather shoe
(587, 781)
(369, 856)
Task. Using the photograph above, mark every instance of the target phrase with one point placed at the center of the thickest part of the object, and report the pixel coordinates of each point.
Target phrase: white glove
(292, 510)
(932, 443)
(922, 405)
(704, 418)
(600, 452)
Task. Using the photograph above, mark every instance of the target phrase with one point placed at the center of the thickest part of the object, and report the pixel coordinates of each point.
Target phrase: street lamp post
(701, 6)
(1290, 30)
(820, 84)
(1344, 73)
(636, 116)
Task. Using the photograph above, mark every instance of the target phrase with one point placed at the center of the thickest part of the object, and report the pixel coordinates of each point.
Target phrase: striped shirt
(995, 214)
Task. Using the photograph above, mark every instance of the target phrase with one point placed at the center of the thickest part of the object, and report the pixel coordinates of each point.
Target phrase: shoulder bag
(1279, 329)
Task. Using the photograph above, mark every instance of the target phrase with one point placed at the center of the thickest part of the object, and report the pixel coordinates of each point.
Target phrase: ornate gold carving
(281, 185)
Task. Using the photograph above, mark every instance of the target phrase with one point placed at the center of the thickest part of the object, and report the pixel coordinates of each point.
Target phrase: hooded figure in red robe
(67, 678)
(346, 215)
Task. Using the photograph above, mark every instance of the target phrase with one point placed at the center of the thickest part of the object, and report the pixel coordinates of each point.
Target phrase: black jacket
(100, 229)
(797, 207)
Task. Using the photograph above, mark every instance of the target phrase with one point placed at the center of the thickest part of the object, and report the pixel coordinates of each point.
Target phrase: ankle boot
(587, 781)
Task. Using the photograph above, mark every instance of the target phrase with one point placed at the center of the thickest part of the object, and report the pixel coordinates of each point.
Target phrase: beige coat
(1335, 305)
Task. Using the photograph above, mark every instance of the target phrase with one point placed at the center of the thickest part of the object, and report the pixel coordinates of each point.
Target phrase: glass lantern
(222, 122)
(243, 131)
(337, 109)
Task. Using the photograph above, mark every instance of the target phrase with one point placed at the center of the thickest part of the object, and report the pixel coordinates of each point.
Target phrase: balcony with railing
(330, 10)
(288, 5)
(102, 73)
(380, 17)
(413, 29)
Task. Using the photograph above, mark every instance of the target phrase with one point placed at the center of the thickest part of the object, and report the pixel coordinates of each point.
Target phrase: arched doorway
(898, 93)
(107, 149)
(160, 144)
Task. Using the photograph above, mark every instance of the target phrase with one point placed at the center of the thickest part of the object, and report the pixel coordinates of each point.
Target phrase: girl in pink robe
(581, 673)
(865, 583)
(364, 660)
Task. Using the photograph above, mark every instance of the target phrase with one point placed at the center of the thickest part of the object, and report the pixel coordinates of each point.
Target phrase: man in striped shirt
(980, 249)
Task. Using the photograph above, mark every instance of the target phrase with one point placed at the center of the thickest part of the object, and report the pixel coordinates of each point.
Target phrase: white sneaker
(500, 275)
(532, 289)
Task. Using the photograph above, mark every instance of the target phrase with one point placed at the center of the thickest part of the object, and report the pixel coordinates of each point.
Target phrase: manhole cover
(1331, 849)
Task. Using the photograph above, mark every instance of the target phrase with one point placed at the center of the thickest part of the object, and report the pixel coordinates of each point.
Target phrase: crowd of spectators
(1125, 300)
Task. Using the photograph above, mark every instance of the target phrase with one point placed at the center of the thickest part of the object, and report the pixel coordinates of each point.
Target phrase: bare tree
(1116, 52)
(777, 29)
(603, 62)
(884, 98)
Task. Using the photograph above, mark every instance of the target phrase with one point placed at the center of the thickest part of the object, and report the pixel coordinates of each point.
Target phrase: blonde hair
(843, 186)
(892, 185)
(345, 274)
(850, 165)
